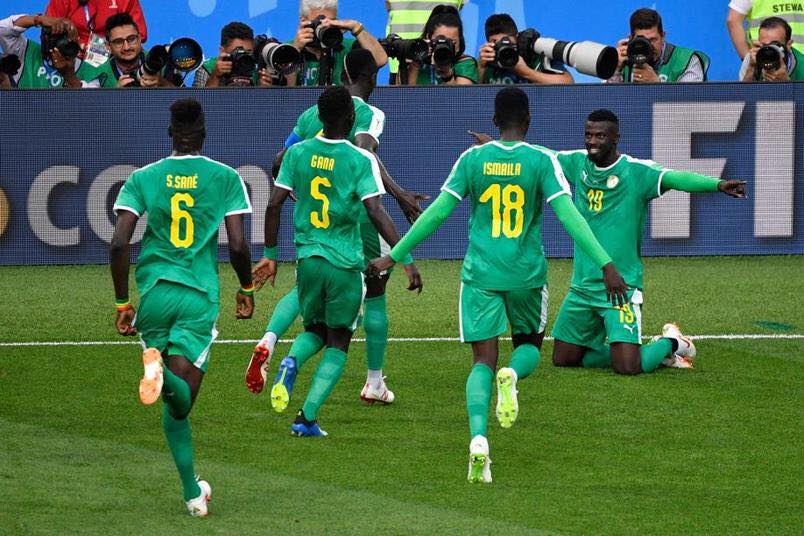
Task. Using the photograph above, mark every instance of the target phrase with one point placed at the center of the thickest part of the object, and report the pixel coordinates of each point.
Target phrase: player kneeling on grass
(332, 179)
(186, 197)
(612, 193)
(504, 274)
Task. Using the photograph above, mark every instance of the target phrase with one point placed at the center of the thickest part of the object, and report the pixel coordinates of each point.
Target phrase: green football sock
(478, 397)
(176, 394)
(524, 360)
(375, 322)
(326, 376)
(180, 441)
(654, 353)
(306, 345)
(285, 312)
(597, 357)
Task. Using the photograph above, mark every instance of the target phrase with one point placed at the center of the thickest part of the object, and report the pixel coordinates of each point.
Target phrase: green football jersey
(614, 201)
(331, 179)
(507, 183)
(368, 120)
(186, 199)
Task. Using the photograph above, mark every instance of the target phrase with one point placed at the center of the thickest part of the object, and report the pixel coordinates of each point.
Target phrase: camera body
(183, 55)
(278, 57)
(416, 50)
(442, 51)
(506, 53)
(640, 51)
(770, 57)
(243, 67)
(325, 37)
(66, 47)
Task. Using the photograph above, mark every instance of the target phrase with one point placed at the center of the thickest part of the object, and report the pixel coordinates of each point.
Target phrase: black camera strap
(325, 67)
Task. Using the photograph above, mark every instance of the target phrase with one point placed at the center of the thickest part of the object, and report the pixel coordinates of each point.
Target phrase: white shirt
(741, 6)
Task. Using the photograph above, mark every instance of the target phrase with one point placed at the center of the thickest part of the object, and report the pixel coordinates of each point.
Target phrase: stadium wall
(64, 155)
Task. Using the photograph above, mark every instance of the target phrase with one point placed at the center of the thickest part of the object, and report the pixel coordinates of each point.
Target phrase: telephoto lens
(416, 50)
(770, 57)
(278, 57)
(327, 37)
(639, 51)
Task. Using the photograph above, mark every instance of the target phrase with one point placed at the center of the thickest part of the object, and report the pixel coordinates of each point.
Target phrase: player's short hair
(776, 22)
(187, 120)
(511, 107)
(306, 6)
(117, 20)
(645, 19)
(334, 104)
(445, 16)
(500, 23)
(603, 115)
(359, 64)
(236, 30)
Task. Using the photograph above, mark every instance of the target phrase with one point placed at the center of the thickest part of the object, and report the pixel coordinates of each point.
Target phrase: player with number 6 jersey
(504, 274)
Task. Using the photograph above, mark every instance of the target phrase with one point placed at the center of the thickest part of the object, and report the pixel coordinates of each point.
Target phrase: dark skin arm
(385, 226)
(408, 201)
(120, 263)
(240, 258)
(266, 268)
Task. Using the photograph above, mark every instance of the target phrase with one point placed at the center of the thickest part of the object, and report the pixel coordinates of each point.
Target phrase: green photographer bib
(35, 74)
(675, 65)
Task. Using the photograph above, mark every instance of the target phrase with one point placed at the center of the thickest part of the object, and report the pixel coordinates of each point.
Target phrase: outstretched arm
(578, 229)
(266, 268)
(430, 220)
(697, 183)
(120, 263)
(240, 258)
(385, 226)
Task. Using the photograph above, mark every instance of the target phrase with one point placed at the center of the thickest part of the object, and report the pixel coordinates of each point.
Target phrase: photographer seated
(123, 68)
(501, 31)
(646, 56)
(323, 47)
(52, 64)
(447, 64)
(772, 58)
(235, 64)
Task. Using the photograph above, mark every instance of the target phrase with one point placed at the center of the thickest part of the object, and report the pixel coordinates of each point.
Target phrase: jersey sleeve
(571, 163)
(371, 122)
(130, 197)
(237, 201)
(457, 183)
(285, 178)
(554, 182)
(651, 183)
(369, 182)
(302, 127)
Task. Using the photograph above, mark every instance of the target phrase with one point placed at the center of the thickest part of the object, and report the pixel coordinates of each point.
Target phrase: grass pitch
(714, 450)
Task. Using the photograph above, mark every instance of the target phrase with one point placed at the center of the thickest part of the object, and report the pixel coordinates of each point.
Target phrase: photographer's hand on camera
(622, 54)
(150, 80)
(779, 75)
(304, 35)
(644, 74)
(57, 25)
(65, 67)
(223, 67)
(265, 78)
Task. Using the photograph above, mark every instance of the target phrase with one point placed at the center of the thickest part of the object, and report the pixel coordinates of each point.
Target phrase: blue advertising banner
(64, 156)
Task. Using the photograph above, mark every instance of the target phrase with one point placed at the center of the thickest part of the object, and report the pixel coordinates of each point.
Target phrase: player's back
(186, 199)
(507, 183)
(331, 179)
(368, 120)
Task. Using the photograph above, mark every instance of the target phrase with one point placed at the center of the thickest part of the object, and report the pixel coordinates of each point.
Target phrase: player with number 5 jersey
(504, 274)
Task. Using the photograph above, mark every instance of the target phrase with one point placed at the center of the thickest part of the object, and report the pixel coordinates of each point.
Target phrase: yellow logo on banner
(5, 212)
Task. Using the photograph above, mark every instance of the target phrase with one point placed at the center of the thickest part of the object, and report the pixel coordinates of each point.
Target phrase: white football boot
(198, 507)
(686, 351)
(377, 394)
(479, 461)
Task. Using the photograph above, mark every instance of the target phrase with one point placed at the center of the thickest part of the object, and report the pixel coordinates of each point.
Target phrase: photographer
(501, 28)
(447, 64)
(772, 58)
(652, 59)
(123, 68)
(50, 66)
(235, 65)
(322, 61)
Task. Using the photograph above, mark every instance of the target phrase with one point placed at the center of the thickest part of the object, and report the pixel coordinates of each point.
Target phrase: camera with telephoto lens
(66, 47)
(10, 64)
(639, 51)
(506, 53)
(278, 57)
(586, 57)
(183, 55)
(325, 36)
(770, 58)
(443, 51)
(416, 50)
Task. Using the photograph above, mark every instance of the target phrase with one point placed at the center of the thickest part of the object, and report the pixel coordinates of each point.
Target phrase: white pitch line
(727, 336)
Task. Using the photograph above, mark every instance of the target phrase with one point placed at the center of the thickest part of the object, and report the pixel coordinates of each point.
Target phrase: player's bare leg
(375, 322)
(567, 354)
(478, 397)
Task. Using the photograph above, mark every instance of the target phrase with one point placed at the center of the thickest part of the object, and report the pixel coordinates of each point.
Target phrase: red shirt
(99, 11)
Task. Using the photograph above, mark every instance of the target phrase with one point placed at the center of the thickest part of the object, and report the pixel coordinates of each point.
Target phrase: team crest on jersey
(613, 181)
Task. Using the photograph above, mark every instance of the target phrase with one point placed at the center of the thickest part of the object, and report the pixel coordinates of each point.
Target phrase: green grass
(714, 450)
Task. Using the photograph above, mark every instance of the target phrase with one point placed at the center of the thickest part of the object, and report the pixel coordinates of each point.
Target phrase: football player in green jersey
(360, 78)
(186, 197)
(332, 179)
(504, 273)
(612, 192)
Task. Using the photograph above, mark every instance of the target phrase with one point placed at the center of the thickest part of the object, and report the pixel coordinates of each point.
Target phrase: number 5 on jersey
(320, 220)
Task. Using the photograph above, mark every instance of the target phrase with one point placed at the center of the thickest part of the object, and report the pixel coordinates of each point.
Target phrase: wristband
(123, 305)
(269, 252)
(37, 20)
(248, 290)
(359, 30)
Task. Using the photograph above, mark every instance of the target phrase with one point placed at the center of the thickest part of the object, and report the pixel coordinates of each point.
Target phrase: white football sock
(374, 378)
(269, 340)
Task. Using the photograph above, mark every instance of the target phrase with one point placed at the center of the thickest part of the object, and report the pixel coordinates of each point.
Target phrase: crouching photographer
(501, 61)
(446, 62)
(647, 57)
(772, 57)
(52, 64)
